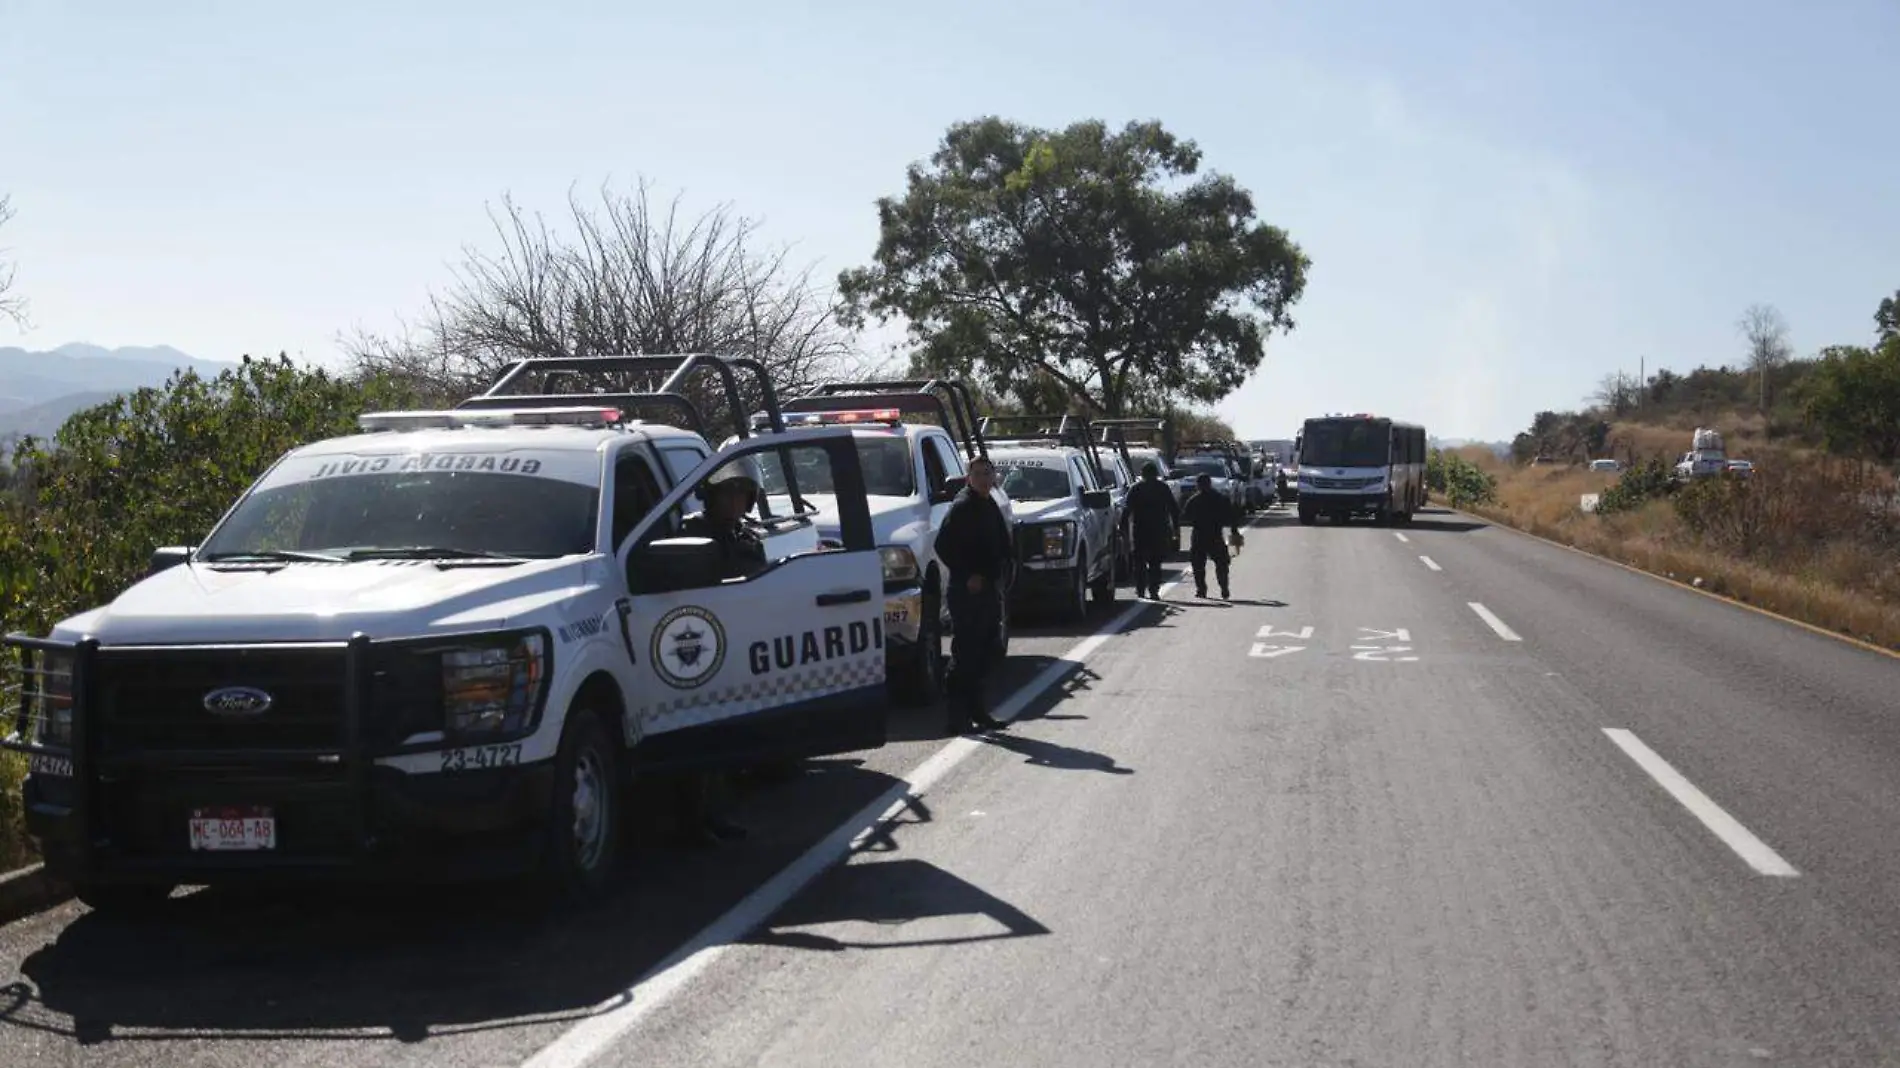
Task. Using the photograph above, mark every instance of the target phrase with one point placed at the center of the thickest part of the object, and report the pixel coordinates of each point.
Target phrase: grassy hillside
(1813, 534)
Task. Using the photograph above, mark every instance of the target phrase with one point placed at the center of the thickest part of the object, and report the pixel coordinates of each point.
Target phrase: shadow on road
(1451, 522)
(1044, 754)
(891, 893)
(356, 964)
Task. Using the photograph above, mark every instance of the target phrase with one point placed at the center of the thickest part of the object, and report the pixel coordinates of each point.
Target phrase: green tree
(1887, 317)
(1101, 260)
(154, 467)
(1853, 397)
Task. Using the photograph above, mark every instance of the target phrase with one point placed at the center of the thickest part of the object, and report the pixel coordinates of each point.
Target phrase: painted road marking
(1268, 652)
(1376, 652)
(1726, 827)
(1400, 536)
(1431, 563)
(1303, 634)
(620, 1014)
(1491, 620)
(1399, 635)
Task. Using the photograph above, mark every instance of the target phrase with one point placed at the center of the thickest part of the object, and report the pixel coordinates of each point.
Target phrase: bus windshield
(1346, 443)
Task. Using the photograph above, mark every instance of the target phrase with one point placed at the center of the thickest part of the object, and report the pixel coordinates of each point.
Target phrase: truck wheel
(1077, 607)
(123, 899)
(1307, 516)
(1104, 588)
(584, 823)
(921, 681)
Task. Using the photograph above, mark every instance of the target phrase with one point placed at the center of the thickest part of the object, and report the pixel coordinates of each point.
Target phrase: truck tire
(920, 683)
(1104, 588)
(1307, 516)
(583, 829)
(1075, 607)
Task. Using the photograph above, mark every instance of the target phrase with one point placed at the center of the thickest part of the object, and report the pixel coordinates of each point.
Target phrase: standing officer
(975, 543)
(1208, 513)
(730, 494)
(1154, 516)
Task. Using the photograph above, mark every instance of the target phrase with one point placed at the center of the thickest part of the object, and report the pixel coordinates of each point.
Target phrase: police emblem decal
(688, 647)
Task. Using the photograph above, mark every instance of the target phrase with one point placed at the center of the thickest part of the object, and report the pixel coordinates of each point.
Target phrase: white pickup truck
(912, 472)
(438, 649)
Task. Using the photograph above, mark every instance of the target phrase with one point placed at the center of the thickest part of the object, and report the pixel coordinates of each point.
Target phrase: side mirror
(167, 557)
(1096, 499)
(949, 490)
(670, 564)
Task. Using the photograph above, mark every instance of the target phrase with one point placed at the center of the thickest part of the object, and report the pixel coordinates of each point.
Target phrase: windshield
(1024, 482)
(885, 460)
(1191, 466)
(1138, 457)
(448, 512)
(1346, 443)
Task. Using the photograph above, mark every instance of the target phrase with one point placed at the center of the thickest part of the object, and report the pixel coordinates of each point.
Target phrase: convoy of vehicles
(440, 648)
(1360, 465)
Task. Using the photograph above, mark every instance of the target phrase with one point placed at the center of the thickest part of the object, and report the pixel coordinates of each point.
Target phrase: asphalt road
(1594, 820)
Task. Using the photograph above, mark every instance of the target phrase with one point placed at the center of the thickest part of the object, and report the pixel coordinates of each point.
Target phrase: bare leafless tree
(1768, 346)
(1617, 393)
(12, 306)
(629, 278)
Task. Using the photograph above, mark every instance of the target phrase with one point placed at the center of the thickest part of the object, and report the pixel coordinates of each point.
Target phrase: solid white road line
(617, 1016)
(1431, 563)
(1400, 536)
(1726, 827)
(1492, 621)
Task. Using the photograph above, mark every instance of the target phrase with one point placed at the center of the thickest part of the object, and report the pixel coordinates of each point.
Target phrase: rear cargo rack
(610, 378)
(949, 401)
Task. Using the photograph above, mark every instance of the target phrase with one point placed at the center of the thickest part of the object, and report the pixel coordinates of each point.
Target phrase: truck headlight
(494, 689)
(900, 564)
(51, 697)
(1055, 541)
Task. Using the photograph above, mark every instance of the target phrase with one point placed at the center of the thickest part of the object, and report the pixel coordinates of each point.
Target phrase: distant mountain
(36, 387)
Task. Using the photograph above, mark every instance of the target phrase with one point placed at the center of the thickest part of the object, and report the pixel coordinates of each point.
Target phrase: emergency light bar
(852, 417)
(491, 417)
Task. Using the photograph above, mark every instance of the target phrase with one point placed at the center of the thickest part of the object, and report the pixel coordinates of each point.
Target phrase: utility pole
(1642, 379)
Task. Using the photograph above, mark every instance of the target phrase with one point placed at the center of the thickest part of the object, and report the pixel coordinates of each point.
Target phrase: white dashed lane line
(1431, 563)
(1400, 536)
(1491, 620)
(1726, 827)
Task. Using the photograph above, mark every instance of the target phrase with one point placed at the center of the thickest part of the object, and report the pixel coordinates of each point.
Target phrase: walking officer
(1208, 513)
(1154, 516)
(975, 543)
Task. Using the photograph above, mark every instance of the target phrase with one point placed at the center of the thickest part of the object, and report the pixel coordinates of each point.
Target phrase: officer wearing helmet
(730, 494)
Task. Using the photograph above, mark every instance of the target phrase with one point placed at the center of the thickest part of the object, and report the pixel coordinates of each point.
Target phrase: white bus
(1360, 465)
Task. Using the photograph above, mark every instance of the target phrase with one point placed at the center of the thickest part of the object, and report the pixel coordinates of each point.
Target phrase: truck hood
(894, 520)
(1033, 511)
(194, 603)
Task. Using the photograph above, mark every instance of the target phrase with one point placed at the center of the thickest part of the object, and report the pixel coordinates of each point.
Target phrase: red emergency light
(851, 417)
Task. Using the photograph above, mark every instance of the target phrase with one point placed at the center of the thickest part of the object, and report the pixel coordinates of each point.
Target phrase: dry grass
(1804, 547)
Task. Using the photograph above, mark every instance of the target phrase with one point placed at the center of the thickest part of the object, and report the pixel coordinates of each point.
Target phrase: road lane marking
(1726, 827)
(614, 1018)
(1431, 563)
(1268, 652)
(1303, 634)
(1491, 620)
(1401, 537)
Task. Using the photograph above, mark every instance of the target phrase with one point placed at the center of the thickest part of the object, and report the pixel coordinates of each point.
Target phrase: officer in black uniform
(975, 543)
(1154, 516)
(730, 494)
(1208, 513)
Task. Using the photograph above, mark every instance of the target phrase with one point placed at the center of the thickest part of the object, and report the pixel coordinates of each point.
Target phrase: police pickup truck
(437, 649)
(912, 472)
(1066, 536)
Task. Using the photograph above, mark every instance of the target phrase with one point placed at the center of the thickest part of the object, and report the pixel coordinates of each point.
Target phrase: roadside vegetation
(1030, 231)
(1813, 533)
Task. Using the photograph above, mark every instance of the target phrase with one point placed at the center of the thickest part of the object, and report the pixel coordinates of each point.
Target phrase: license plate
(233, 829)
(896, 615)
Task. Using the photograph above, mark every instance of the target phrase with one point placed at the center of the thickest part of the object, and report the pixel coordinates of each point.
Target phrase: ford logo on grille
(237, 701)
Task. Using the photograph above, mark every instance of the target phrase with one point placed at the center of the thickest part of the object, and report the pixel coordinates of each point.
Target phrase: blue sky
(1503, 202)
